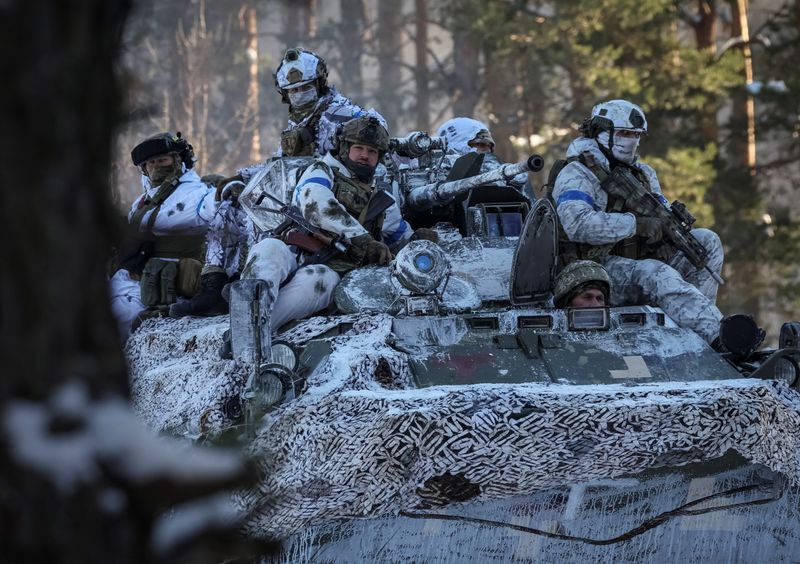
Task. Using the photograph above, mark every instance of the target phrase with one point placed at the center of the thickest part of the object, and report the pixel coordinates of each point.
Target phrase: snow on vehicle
(446, 413)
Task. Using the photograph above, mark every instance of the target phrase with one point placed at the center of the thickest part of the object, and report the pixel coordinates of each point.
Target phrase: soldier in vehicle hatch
(336, 195)
(599, 225)
(466, 135)
(583, 283)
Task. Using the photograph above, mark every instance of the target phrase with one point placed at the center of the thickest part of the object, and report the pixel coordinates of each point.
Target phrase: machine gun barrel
(416, 144)
(442, 193)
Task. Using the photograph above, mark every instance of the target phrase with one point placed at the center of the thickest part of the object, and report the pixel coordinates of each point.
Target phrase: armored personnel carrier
(447, 413)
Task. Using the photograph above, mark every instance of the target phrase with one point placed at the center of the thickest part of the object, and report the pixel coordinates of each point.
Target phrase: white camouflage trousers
(229, 234)
(685, 293)
(310, 290)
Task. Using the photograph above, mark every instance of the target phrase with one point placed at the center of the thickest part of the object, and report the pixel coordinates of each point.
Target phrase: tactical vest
(302, 141)
(167, 246)
(632, 247)
(355, 196)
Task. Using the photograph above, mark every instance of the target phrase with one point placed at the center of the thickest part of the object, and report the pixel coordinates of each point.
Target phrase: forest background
(718, 80)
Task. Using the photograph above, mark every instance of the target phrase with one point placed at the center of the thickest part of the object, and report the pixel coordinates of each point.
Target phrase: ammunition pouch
(163, 280)
(297, 142)
(189, 271)
(157, 284)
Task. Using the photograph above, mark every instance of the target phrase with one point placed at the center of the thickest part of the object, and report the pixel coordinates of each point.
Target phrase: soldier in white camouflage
(595, 226)
(335, 194)
(316, 109)
(468, 135)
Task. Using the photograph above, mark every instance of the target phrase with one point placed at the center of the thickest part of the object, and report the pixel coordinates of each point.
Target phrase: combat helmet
(614, 115)
(163, 144)
(575, 277)
(298, 68)
(366, 129)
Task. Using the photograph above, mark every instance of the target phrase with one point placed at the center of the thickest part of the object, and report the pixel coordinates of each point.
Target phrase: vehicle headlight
(786, 370)
(420, 266)
(283, 354)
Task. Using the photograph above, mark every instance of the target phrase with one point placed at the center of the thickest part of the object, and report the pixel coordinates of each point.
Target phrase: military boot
(207, 302)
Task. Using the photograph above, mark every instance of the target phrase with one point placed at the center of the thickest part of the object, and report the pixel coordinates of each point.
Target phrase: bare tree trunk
(56, 321)
(252, 112)
(390, 21)
(705, 33)
(354, 17)
(745, 105)
(466, 72)
(422, 79)
(499, 93)
(299, 22)
(70, 495)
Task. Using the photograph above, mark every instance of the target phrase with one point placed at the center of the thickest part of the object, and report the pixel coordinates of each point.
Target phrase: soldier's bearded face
(364, 154)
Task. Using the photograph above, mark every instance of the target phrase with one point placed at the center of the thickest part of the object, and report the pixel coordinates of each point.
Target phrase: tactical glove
(374, 252)
(652, 228)
(426, 234)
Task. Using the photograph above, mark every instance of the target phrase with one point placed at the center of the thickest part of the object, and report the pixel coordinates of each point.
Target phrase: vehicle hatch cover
(535, 256)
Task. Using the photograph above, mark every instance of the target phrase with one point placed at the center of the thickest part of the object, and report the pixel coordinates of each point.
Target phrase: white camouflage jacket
(581, 202)
(314, 196)
(187, 211)
(340, 110)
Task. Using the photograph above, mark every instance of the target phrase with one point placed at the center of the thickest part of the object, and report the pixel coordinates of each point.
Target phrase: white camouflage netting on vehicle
(357, 444)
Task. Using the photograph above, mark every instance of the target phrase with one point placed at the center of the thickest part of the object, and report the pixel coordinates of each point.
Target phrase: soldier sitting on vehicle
(336, 195)
(583, 283)
(158, 261)
(465, 134)
(316, 109)
(599, 224)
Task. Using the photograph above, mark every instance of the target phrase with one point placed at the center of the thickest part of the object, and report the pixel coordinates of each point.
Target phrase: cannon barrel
(442, 193)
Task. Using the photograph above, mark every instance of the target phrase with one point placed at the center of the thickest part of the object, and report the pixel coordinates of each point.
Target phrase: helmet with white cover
(617, 126)
(615, 115)
(463, 132)
(298, 68)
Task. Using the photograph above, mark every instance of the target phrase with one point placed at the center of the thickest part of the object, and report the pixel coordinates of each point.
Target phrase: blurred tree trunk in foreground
(68, 492)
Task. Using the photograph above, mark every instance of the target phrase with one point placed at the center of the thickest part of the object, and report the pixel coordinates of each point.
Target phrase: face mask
(162, 173)
(300, 99)
(624, 149)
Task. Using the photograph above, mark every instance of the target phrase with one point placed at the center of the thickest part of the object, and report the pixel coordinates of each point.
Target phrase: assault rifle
(623, 184)
(306, 236)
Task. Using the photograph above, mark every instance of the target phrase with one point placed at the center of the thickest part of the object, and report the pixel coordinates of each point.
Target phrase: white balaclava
(299, 99)
(623, 149)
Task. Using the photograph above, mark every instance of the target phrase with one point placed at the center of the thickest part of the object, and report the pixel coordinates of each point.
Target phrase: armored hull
(474, 423)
